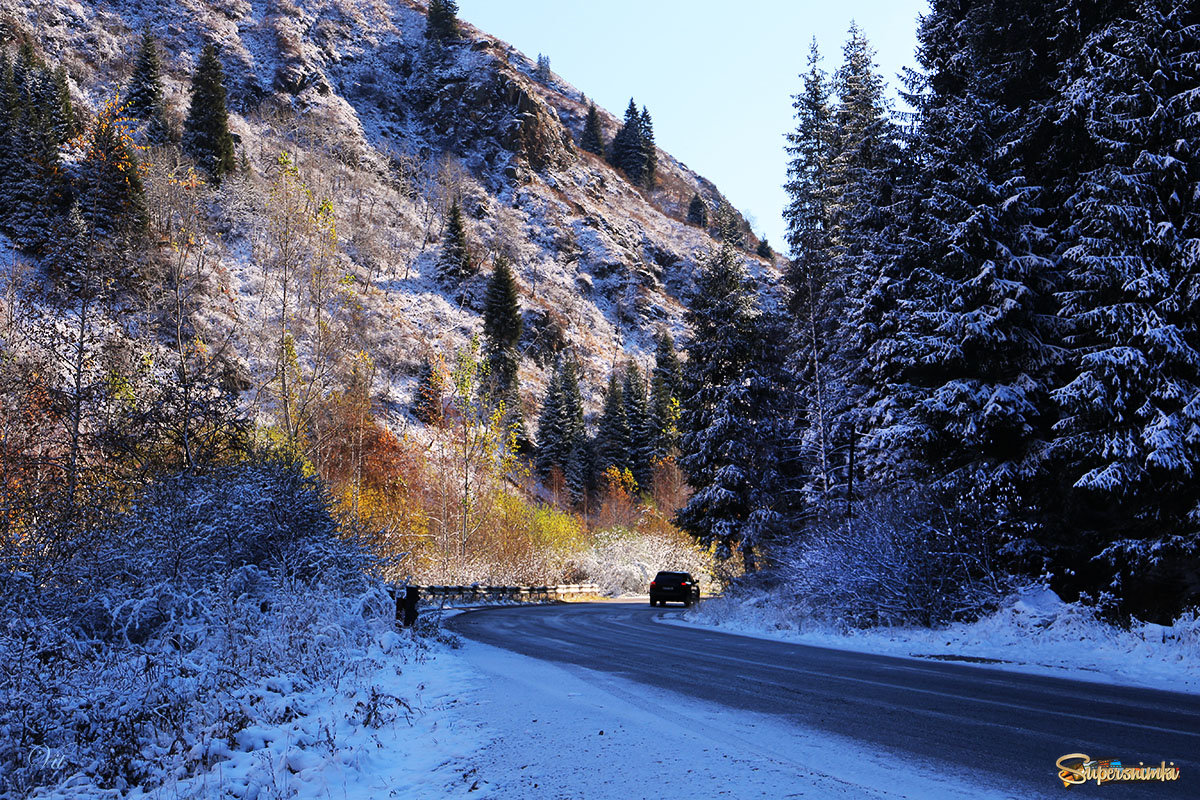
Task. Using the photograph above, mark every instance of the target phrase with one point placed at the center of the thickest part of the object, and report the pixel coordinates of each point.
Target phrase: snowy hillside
(391, 131)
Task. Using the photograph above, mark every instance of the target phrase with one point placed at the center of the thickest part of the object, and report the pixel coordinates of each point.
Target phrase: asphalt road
(1008, 728)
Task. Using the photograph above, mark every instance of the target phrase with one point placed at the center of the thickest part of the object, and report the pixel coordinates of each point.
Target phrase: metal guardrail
(408, 596)
(477, 593)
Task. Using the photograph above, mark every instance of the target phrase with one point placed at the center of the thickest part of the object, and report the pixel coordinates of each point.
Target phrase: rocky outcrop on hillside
(391, 129)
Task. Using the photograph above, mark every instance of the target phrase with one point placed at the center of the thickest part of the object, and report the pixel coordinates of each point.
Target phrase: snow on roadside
(390, 732)
(1033, 631)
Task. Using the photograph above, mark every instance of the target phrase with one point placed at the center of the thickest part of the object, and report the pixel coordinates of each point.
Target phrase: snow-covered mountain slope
(389, 129)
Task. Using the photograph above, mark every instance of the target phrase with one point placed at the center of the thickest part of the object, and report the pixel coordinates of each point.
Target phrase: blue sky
(717, 77)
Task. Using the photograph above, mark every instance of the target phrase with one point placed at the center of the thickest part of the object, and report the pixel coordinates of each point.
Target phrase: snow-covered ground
(393, 732)
(1033, 631)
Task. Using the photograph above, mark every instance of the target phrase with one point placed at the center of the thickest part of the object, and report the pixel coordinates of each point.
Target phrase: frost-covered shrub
(622, 561)
(266, 515)
(208, 603)
(900, 561)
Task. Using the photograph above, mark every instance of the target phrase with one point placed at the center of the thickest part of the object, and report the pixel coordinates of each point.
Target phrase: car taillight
(652, 584)
(683, 583)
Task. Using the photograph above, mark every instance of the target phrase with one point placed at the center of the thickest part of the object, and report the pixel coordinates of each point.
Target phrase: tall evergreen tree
(697, 212)
(649, 171)
(542, 71)
(563, 442)
(728, 227)
(806, 215)
(863, 165)
(579, 469)
(808, 278)
(592, 139)
(628, 152)
(1130, 407)
(34, 190)
(733, 409)
(613, 434)
(551, 438)
(26, 68)
(845, 162)
(970, 358)
(455, 264)
(110, 194)
(206, 136)
(502, 326)
(146, 89)
(666, 387)
(442, 22)
(65, 124)
(641, 426)
(9, 118)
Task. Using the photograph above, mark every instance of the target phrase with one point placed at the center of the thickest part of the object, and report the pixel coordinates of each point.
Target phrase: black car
(678, 587)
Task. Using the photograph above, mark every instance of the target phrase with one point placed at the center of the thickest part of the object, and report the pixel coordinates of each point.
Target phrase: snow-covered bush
(623, 561)
(207, 603)
(900, 561)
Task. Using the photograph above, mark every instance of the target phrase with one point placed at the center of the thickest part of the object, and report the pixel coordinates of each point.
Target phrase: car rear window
(671, 577)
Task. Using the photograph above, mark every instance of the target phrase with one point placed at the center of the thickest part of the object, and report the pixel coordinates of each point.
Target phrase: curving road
(1005, 728)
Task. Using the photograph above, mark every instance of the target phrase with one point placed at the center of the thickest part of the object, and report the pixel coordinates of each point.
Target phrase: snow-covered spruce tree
(579, 466)
(697, 212)
(206, 136)
(581, 469)
(649, 150)
(442, 22)
(764, 250)
(806, 215)
(592, 139)
(145, 93)
(726, 226)
(562, 442)
(963, 354)
(502, 327)
(734, 410)
(666, 386)
(10, 120)
(613, 435)
(628, 154)
(1127, 437)
(34, 191)
(551, 453)
(859, 177)
(641, 426)
(454, 264)
(66, 125)
(840, 185)
(8, 135)
(542, 72)
(109, 184)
